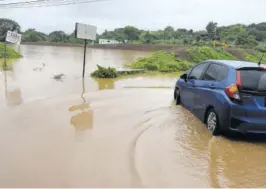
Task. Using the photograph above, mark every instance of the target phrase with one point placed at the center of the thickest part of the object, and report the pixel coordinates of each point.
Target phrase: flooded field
(110, 133)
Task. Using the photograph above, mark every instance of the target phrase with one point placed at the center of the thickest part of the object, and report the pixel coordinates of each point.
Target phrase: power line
(46, 3)
(24, 2)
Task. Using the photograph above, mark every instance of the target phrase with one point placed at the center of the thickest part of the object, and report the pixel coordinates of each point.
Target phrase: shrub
(102, 72)
(161, 61)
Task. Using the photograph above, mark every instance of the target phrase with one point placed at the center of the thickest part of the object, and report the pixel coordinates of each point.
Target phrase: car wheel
(177, 96)
(213, 122)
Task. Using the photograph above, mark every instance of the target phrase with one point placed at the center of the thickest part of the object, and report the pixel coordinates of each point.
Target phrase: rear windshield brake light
(238, 78)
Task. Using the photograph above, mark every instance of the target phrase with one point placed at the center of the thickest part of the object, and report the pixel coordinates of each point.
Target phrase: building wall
(108, 41)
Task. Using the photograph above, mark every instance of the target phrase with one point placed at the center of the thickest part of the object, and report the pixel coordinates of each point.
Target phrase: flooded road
(110, 133)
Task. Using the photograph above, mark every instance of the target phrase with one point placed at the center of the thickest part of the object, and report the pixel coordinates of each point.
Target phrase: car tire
(177, 96)
(212, 122)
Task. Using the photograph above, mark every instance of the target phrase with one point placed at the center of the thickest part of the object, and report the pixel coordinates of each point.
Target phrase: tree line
(246, 36)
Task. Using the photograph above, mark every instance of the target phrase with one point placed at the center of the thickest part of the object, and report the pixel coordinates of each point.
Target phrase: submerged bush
(199, 54)
(161, 61)
(10, 53)
(102, 72)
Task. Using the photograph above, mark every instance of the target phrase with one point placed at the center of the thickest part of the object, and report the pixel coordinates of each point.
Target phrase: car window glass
(216, 72)
(197, 71)
(253, 79)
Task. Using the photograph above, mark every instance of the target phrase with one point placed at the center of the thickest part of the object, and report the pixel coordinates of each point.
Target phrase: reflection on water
(39, 83)
(12, 91)
(83, 118)
(106, 83)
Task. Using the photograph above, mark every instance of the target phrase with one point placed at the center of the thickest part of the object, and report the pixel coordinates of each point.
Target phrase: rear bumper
(245, 126)
(238, 121)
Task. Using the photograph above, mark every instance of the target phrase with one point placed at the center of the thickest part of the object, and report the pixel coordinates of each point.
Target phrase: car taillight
(232, 92)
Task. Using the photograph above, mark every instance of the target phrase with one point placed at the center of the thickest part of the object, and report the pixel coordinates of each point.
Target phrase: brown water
(71, 133)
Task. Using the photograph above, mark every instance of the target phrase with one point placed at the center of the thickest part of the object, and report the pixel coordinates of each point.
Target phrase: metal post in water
(84, 60)
(83, 91)
(5, 57)
(5, 84)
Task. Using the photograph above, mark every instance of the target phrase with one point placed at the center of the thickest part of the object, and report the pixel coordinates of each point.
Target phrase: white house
(108, 41)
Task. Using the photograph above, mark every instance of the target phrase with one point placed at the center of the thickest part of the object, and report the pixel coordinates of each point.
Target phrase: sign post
(11, 37)
(84, 59)
(86, 32)
(5, 57)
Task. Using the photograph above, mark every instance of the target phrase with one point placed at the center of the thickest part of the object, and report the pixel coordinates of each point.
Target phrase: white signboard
(85, 31)
(13, 37)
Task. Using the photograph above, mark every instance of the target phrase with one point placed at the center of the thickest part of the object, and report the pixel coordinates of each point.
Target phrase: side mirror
(184, 76)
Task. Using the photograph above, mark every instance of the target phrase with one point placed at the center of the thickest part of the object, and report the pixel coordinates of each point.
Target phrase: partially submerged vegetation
(10, 53)
(165, 62)
(110, 72)
(103, 72)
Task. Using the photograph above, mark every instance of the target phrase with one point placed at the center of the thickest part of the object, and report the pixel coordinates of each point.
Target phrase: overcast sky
(146, 14)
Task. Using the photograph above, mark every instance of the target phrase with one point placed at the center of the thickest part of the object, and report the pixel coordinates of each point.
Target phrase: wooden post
(84, 60)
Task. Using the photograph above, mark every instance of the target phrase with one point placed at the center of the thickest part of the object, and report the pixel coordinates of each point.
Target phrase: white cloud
(147, 14)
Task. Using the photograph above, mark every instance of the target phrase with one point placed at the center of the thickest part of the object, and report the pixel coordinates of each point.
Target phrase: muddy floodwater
(109, 133)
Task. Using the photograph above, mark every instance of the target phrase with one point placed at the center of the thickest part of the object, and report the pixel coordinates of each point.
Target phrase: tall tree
(58, 36)
(169, 32)
(212, 30)
(132, 33)
(7, 24)
(31, 35)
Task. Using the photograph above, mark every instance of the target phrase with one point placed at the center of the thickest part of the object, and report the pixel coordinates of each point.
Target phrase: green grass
(10, 53)
(161, 61)
(199, 54)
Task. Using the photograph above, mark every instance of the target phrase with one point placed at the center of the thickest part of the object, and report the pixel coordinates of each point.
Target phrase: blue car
(226, 95)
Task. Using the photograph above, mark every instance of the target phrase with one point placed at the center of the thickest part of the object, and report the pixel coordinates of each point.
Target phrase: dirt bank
(115, 46)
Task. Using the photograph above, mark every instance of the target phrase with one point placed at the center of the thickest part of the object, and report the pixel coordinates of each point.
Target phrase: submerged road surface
(120, 138)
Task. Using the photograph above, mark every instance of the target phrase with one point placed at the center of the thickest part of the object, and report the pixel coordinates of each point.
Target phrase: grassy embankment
(10, 54)
(182, 60)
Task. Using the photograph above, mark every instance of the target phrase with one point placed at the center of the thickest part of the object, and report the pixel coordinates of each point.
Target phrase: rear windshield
(253, 80)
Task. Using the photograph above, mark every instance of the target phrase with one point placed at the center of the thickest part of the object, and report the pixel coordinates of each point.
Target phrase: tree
(246, 40)
(212, 30)
(120, 34)
(31, 35)
(58, 36)
(198, 38)
(131, 33)
(148, 37)
(258, 30)
(230, 33)
(169, 32)
(7, 24)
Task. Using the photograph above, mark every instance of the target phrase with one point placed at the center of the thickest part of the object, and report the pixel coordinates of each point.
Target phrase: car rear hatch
(251, 83)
